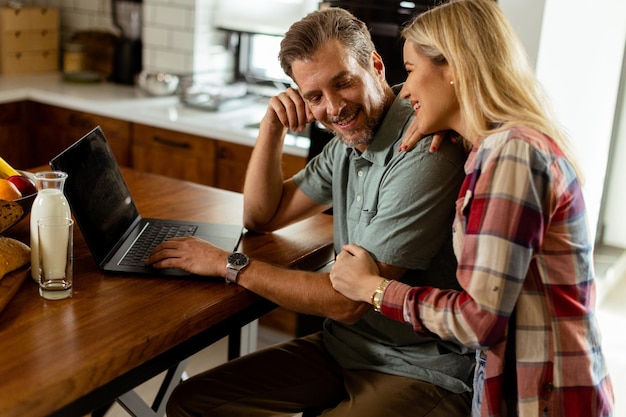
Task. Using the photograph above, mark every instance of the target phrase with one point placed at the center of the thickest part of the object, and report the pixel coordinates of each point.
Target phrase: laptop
(108, 218)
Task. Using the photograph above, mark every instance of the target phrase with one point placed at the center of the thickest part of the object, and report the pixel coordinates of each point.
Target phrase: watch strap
(232, 275)
(377, 296)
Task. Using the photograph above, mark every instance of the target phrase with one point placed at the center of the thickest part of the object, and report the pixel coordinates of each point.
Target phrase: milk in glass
(55, 257)
(50, 202)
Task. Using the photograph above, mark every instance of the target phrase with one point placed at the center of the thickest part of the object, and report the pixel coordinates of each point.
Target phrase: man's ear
(378, 64)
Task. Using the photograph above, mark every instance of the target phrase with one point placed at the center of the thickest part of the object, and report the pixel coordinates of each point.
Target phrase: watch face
(237, 259)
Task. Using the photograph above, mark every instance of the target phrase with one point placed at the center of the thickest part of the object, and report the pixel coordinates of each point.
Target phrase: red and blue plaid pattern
(523, 243)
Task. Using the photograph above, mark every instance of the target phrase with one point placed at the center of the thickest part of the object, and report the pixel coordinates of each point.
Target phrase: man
(398, 205)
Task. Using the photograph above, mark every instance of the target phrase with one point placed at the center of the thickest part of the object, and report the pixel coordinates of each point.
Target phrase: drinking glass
(56, 257)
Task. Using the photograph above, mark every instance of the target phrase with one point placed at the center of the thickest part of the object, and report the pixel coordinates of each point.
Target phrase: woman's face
(432, 95)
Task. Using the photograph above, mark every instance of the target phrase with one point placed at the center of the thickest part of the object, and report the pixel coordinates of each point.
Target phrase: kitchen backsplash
(177, 35)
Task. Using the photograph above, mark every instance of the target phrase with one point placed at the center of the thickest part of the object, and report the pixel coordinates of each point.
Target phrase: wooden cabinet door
(14, 145)
(53, 129)
(232, 162)
(292, 164)
(174, 154)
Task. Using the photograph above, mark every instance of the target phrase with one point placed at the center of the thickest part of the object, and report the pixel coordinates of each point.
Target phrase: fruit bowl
(26, 202)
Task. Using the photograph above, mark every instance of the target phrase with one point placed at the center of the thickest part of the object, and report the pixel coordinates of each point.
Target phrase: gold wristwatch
(377, 297)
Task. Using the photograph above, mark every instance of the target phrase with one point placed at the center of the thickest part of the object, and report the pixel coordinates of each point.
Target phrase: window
(262, 59)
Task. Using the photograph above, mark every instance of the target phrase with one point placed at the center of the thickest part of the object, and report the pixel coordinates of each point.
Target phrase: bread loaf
(10, 213)
(13, 255)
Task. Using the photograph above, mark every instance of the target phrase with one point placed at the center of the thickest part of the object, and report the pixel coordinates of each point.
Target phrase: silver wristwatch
(235, 263)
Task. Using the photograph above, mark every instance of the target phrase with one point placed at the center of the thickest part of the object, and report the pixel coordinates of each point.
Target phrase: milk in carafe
(50, 202)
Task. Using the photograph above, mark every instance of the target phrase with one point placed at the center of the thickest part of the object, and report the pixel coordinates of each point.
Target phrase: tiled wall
(177, 34)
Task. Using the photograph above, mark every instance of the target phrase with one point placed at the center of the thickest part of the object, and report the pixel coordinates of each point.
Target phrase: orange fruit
(8, 191)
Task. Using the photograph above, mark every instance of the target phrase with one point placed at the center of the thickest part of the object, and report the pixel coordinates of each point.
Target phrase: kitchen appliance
(270, 17)
(127, 63)
(254, 32)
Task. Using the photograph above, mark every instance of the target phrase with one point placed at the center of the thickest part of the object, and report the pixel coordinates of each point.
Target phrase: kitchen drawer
(29, 40)
(81, 122)
(55, 128)
(29, 62)
(173, 154)
(28, 18)
(232, 163)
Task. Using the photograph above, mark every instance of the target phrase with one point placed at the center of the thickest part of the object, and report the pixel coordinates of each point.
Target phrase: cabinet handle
(169, 142)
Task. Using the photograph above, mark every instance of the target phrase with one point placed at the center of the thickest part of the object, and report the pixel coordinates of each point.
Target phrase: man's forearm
(301, 291)
(264, 180)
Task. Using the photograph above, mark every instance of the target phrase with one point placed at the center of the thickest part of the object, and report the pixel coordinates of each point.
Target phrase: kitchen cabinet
(14, 146)
(292, 164)
(31, 133)
(173, 154)
(232, 162)
(29, 40)
(53, 129)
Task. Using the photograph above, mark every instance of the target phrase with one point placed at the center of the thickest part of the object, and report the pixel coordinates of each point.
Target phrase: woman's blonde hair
(494, 84)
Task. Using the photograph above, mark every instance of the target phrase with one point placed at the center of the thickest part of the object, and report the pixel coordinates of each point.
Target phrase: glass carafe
(50, 202)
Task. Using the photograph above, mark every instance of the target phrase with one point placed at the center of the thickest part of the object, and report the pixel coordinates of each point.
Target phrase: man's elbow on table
(253, 226)
(258, 219)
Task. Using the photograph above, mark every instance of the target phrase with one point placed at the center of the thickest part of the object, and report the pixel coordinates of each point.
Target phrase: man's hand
(190, 254)
(290, 110)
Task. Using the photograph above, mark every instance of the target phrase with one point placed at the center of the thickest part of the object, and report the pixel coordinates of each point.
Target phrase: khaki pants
(300, 375)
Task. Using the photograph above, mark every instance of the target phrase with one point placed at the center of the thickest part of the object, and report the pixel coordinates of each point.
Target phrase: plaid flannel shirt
(523, 243)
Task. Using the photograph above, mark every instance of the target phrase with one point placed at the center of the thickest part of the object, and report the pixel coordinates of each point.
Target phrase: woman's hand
(355, 274)
(412, 136)
(191, 254)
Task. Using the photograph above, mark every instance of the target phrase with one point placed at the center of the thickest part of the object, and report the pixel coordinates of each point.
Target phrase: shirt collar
(390, 131)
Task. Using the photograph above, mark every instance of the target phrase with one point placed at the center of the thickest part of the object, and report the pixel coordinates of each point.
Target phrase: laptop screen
(97, 193)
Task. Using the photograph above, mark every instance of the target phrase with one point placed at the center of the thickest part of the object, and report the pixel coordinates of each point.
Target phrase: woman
(524, 255)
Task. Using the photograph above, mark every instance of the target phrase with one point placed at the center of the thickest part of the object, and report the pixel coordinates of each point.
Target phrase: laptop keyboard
(151, 236)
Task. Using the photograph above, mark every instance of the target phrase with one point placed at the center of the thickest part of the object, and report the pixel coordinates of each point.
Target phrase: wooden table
(69, 357)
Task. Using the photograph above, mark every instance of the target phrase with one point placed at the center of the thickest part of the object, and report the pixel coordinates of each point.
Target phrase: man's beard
(366, 134)
(364, 138)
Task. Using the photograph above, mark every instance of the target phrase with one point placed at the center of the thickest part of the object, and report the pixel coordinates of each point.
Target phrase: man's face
(342, 95)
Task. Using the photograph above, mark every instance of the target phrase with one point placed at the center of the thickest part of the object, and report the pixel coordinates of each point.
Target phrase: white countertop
(122, 102)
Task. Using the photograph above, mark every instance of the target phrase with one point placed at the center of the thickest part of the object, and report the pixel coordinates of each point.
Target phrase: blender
(127, 17)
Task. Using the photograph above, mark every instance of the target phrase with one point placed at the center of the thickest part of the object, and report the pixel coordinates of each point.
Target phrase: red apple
(24, 184)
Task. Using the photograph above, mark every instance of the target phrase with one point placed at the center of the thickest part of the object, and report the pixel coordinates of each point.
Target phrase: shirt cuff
(394, 301)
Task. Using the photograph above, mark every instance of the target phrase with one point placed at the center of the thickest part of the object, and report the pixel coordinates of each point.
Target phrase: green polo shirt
(399, 206)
